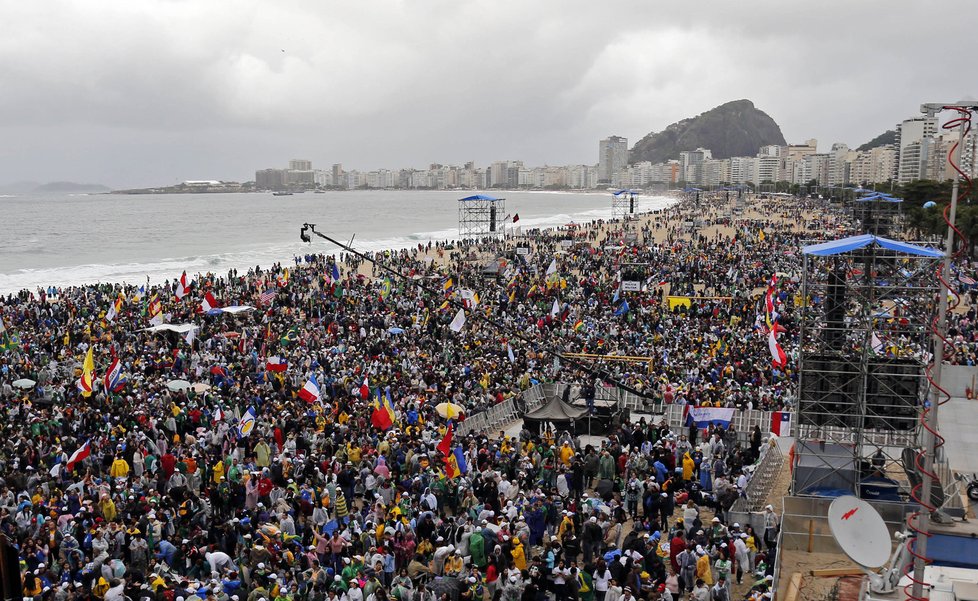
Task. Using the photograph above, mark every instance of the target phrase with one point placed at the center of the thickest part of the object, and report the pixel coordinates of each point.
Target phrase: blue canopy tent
(879, 196)
(620, 192)
(479, 197)
(844, 245)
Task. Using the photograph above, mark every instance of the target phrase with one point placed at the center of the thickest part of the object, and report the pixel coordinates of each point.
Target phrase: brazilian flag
(9, 342)
(290, 337)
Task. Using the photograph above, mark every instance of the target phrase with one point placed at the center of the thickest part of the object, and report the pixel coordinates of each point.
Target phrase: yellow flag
(88, 374)
(760, 235)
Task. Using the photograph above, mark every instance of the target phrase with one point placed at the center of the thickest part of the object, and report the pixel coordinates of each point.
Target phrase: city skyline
(201, 92)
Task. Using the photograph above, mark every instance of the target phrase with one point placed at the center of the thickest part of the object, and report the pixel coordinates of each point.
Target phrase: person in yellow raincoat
(566, 453)
(688, 467)
(107, 506)
(519, 554)
(703, 570)
(120, 468)
(218, 471)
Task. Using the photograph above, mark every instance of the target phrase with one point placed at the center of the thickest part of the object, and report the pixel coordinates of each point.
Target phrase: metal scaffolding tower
(623, 203)
(878, 214)
(866, 307)
(480, 216)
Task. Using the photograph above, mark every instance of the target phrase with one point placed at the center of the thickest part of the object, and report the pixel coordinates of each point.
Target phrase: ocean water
(64, 239)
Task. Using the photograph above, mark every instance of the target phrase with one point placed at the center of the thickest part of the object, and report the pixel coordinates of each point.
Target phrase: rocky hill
(733, 129)
(887, 137)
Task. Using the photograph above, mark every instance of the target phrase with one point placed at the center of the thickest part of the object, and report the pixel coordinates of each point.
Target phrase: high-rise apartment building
(612, 156)
(300, 165)
(915, 141)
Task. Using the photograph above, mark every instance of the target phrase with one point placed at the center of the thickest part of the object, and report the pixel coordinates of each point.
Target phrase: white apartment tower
(612, 156)
(915, 139)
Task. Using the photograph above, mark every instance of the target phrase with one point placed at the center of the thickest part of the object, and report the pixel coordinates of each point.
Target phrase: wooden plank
(794, 587)
(831, 572)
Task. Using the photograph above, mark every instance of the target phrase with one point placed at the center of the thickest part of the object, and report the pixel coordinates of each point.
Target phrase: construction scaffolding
(878, 214)
(866, 307)
(623, 203)
(480, 216)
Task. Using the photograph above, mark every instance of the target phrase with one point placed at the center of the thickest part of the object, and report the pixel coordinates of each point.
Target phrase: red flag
(778, 356)
(445, 446)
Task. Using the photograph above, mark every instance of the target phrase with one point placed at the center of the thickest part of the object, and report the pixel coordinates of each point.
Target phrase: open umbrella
(24, 383)
(396, 330)
(178, 385)
(200, 386)
(449, 410)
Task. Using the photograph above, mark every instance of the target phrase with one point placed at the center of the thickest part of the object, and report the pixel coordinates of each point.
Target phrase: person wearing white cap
(742, 555)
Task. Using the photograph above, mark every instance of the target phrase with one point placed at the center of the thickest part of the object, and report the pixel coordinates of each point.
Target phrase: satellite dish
(860, 531)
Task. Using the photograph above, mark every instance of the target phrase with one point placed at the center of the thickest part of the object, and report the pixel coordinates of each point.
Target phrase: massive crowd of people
(201, 471)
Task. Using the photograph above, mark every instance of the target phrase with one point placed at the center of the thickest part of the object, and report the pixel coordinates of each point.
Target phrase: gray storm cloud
(151, 91)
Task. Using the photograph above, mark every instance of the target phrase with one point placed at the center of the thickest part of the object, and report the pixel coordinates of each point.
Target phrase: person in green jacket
(477, 549)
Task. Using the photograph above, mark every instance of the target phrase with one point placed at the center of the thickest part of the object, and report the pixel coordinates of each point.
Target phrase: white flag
(191, 336)
(459, 322)
(877, 344)
(556, 308)
(553, 267)
(3, 328)
(509, 351)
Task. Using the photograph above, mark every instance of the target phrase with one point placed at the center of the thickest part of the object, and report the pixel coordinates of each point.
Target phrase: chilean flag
(209, 303)
(182, 287)
(276, 364)
(78, 456)
(778, 357)
(781, 422)
(310, 392)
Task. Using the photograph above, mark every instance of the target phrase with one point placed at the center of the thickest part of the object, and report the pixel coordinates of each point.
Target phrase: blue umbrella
(930, 204)
(396, 330)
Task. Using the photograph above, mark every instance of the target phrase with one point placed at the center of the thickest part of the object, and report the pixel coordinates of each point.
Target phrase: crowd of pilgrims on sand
(172, 500)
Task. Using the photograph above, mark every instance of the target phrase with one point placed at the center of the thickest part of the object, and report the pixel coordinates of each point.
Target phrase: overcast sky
(148, 92)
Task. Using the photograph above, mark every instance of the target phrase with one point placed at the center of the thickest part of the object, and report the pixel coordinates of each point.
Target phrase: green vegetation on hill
(733, 129)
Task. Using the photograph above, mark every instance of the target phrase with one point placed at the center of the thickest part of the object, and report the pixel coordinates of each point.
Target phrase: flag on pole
(458, 322)
(190, 336)
(622, 308)
(365, 390)
(183, 287)
(381, 418)
(509, 353)
(516, 217)
(114, 309)
(555, 310)
(208, 303)
(777, 353)
(247, 423)
(552, 269)
(113, 376)
(310, 392)
(336, 272)
(78, 456)
(455, 464)
(781, 422)
(877, 344)
(266, 297)
(88, 374)
(445, 446)
(276, 364)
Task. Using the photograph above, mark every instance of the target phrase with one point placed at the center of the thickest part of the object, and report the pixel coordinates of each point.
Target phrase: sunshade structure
(879, 196)
(478, 197)
(844, 245)
(556, 412)
(24, 383)
(178, 385)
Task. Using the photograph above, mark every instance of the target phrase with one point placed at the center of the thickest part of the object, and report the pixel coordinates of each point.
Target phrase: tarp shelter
(838, 247)
(179, 328)
(555, 412)
(880, 197)
(480, 197)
